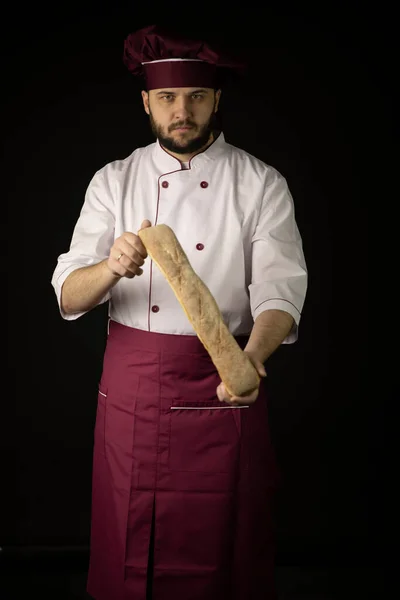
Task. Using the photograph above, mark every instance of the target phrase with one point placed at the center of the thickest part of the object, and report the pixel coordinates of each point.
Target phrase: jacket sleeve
(92, 237)
(279, 272)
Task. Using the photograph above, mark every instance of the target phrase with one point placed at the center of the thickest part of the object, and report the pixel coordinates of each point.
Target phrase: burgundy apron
(173, 464)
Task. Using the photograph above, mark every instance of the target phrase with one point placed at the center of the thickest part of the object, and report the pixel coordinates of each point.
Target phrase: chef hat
(169, 60)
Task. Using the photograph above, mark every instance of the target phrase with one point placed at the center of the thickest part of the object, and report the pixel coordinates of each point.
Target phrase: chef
(184, 476)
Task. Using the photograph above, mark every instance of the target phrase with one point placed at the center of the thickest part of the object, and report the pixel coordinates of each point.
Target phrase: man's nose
(182, 108)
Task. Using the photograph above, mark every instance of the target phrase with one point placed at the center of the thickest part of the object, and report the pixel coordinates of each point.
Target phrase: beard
(202, 137)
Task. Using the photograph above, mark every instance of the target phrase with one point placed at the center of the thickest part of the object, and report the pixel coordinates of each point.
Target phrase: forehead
(181, 91)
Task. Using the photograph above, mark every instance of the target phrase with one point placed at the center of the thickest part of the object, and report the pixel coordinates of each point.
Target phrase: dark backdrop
(312, 105)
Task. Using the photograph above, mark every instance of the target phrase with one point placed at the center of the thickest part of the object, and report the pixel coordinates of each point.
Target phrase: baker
(184, 475)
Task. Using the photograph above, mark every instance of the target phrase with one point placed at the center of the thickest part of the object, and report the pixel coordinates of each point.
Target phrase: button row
(203, 184)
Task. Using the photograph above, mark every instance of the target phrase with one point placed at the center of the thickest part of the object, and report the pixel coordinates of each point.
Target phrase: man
(183, 475)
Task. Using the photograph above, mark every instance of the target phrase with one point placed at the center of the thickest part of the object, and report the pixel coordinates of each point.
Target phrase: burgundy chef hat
(168, 60)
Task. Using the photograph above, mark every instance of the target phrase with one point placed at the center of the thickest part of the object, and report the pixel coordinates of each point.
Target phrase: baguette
(232, 363)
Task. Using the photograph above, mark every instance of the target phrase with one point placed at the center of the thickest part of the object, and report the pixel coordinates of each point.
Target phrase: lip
(183, 128)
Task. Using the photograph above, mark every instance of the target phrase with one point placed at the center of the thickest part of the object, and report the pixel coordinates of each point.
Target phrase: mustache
(181, 124)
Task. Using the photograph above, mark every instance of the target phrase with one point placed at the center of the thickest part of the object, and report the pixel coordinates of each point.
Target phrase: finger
(117, 268)
(146, 223)
(234, 400)
(123, 266)
(220, 393)
(132, 269)
(257, 364)
(259, 367)
(129, 252)
(134, 242)
(247, 399)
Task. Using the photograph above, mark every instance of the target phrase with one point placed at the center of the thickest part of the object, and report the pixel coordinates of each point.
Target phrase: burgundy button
(204, 184)
(165, 184)
(155, 308)
(200, 247)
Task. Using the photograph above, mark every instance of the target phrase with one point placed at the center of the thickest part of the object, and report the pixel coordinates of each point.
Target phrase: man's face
(182, 118)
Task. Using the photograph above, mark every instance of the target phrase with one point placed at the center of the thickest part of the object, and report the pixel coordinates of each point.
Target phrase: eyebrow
(171, 93)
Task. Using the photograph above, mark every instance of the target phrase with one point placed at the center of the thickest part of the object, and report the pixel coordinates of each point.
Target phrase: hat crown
(166, 58)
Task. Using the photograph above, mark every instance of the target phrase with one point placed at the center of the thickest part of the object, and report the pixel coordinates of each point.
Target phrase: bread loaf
(233, 365)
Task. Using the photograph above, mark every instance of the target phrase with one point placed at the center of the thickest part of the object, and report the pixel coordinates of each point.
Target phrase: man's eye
(167, 98)
(197, 96)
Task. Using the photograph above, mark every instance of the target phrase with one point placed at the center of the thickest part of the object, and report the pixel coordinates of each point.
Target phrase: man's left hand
(223, 395)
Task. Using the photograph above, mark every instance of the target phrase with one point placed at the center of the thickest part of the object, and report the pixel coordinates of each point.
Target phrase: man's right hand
(127, 254)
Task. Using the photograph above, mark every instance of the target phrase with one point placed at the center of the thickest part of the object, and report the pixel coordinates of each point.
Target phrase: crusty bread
(233, 365)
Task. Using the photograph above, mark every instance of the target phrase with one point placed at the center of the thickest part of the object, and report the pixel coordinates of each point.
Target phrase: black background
(316, 104)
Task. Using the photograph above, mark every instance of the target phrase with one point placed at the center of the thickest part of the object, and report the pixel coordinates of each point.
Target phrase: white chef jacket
(233, 216)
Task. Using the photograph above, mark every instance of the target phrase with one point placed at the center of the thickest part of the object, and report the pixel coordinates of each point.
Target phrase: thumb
(146, 223)
(261, 370)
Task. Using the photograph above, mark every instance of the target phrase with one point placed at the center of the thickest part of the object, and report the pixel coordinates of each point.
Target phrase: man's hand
(127, 254)
(223, 395)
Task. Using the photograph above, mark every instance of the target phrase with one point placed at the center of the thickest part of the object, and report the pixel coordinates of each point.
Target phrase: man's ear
(145, 98)
(217, 98)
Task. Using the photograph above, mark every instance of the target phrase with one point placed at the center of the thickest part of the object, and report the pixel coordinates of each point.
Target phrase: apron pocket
(203, 438)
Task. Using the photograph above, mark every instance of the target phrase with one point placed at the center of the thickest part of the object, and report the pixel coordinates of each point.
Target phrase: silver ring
(119, 256)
